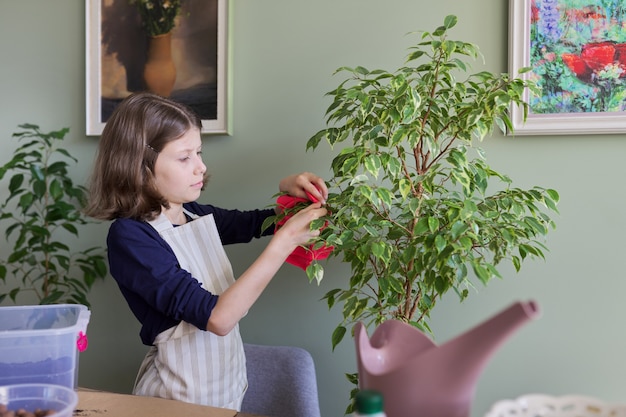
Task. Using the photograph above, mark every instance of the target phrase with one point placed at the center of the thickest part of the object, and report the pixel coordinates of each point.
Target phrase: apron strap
(162, 223)
(190, 214)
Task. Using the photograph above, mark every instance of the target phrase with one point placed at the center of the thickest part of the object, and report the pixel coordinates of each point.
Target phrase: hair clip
(151, 148)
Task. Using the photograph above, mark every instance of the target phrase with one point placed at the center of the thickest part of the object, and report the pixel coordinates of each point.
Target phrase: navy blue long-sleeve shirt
(159, 292)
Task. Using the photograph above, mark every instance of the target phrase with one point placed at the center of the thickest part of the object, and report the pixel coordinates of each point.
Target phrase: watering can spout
(413, 373)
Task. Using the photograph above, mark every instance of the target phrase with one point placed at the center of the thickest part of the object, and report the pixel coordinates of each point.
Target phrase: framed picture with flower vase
(174, 48)
(575, 52)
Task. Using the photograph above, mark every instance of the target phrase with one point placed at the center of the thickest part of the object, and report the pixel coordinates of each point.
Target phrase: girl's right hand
(297, 230)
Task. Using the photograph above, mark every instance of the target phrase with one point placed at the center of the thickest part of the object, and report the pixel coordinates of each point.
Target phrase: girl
(165, 250)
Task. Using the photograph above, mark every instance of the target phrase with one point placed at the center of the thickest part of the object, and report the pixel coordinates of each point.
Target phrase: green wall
(283, 57)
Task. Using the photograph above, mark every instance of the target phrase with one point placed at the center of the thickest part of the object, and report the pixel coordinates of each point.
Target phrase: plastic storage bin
(39, 344)
(30, 397)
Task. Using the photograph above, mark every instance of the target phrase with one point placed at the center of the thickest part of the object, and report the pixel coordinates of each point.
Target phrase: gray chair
(281, 382)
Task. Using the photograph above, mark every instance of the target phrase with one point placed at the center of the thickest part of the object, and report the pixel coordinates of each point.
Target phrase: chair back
(281, 382)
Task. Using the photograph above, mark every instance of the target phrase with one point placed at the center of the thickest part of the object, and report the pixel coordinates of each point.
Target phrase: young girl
(165, 250)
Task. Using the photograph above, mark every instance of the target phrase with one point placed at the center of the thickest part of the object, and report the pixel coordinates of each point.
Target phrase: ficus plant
(410, 207)
(42, 216)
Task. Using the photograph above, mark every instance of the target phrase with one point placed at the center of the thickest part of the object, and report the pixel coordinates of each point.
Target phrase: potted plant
(158, 19)
(410, 206)
(42, 213)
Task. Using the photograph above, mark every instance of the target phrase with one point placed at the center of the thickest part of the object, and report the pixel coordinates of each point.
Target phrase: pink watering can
(420, 379)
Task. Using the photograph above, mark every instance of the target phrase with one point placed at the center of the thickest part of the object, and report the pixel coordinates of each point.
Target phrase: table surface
(93, 403)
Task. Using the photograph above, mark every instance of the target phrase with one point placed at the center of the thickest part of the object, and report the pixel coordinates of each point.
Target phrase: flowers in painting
(596, 60)
(157, 16)
(549, 19)
(578, 56)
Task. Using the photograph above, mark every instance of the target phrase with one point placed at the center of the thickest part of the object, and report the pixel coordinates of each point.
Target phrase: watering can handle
(82, 341)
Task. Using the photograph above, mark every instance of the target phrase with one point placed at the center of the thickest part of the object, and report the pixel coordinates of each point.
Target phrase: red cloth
(301, 257)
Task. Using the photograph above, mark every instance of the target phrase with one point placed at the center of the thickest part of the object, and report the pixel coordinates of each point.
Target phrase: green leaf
(13, 293)
(36, 172)
(372, 164)
(440, 243)
(349, 166)
(58, 168)
(433, 224)
(385, 196)
(404, 186)
(535, 225)
(16, 182)
(458, 228)
(481, 272)
(52, 298)
(415, 55)
(315, 272)
(268, 223)
(554, 195)
(450, 21)
(337, 336)
(466, 243)
(422, 226)
(378, 249)
(56, 190)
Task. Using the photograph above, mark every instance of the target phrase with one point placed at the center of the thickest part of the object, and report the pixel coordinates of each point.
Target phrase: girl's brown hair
(122, 183)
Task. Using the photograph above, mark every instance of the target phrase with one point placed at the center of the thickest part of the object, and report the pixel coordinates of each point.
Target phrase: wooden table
(92, 403)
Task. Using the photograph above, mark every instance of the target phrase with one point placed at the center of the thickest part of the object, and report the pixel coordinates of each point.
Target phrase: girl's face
(179, 169)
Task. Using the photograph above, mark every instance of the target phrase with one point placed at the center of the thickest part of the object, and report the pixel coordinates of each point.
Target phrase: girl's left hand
(298, 185)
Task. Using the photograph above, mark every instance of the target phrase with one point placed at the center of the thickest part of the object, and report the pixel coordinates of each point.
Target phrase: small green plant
(409, 204)
(41, 213)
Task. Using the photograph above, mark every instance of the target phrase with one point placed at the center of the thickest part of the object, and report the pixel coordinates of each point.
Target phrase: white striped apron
(186, 363)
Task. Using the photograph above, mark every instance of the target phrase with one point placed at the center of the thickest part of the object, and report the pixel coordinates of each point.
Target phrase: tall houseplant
(409, 205)
(42, 214)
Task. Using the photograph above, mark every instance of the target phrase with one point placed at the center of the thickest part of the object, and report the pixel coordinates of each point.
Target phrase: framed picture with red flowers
(174, 48)
(575, 53)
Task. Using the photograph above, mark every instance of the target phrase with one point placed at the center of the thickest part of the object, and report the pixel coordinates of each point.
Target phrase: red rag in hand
(301, 256)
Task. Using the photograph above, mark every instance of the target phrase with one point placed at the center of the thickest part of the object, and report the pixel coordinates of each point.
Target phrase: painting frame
(566, 123)
(216, 124)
